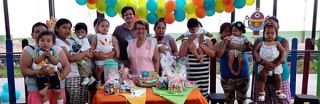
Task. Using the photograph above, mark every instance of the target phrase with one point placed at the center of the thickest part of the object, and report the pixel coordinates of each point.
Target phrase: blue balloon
(18, 94)
(152, 5)
(4, 96)
(81, 2)
(152, 17)
(5, 87)
(180, 4)
(210, 12)
(180, 15)
(239, 3)
(111, 2)
(209, 4)
(111, 11)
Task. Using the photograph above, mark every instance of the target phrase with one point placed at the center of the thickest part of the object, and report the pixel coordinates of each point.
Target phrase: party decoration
(229, 8)
(209, 4)
(169, 18)
(152, 17)
(180, 4)
(91, 6)
(239, 3)
(256, 22)
(81, 2)
(152, 5)
(132, 3)
(190, 8)
(161, 11)
(119, 6)
(161, 2)
(111, 2)
(101, 5)
(142, 3)
(170, 6)
(200, 12)
(219, 6)
(228, 2)
(249, 2)
(179, 15)
(91, 1)
(198, 2)
(4, 95)
(193, 15)
(142, 12)
(210, 12)
(111, 11)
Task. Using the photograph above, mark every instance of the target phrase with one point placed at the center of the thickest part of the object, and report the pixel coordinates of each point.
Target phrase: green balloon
(161, 11)
(142, 12)
(189, 8)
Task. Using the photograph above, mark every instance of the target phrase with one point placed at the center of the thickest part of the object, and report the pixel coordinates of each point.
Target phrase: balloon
(133, 5)
(5, 87)
(193, 15)
(170, 6)
(219, 7)
(190, 8)
(228, 2)
(180, 4)
(239, 3)
(210, 12)
(249, 2)
(169, 18)
(81, 2)
(111, 2)
(91, 1)
(229, 8)
(91, 6)
(161, 11)
(200, 12)
(152, 5)
(142, 12)
(152, 17)
(18, 93)
(198, 2)
(119, 6)
(4, 96)
(111, 11)
(179, 15)
(161, 2)
(209, 4)
(101, 5)
(142, 3)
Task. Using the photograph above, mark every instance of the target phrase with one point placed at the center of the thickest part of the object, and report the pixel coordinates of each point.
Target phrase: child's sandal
(280, 94)
(262, 96)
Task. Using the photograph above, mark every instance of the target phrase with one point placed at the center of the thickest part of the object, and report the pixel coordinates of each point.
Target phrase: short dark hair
(80, 26)
(126, 8)
(47, 33)
(160, 20)
(240, 26)
(38, 24)
(192, 23)
(96, 21)
(61, 22)
(141, 22)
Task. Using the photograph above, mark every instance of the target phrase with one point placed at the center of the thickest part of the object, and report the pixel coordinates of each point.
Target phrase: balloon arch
(171, 10)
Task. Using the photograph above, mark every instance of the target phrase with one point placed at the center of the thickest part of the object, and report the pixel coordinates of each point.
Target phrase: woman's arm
(285, 45)
(76, 57)
(282, 52)
(173, 46)
(116, 47)
(185, 45)
(65, 65)
(156, 59)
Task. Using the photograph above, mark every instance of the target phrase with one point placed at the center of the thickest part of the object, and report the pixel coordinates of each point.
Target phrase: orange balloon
(169, 18)
(201, 12)
(170, 6)
(228, 8)
(198, 2)
(91, 1)
(228, 2)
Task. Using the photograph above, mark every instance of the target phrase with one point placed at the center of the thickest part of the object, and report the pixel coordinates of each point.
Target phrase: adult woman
(160, 29)
(76, 94)
(30, 74)
(232, 84)
(142, 51)
(125, 33)
(271, 97)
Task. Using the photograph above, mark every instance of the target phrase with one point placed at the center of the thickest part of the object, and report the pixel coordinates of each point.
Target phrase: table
(194, 97)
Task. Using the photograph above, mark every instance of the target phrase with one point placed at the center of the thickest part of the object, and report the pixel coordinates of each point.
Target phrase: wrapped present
(112, 87)
(147, 79)
(162, 83)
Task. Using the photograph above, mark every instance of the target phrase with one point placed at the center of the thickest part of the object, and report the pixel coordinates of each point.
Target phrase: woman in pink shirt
(142, 51)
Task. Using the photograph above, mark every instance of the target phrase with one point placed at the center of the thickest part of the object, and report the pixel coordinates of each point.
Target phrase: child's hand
(47, 52)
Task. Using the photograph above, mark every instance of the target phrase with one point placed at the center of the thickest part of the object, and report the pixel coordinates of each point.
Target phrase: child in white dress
(269, 50)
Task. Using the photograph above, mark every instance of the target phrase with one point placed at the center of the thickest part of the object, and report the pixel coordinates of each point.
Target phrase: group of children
(45, 55)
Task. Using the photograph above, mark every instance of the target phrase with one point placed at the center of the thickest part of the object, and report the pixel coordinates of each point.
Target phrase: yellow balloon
(133, 4)
(142, 12)
(189, 8)
(249, 2)
(161, 2)
(101, 5)
(142, 3)
(119, 7)
(193, 15)
(161, 11)
(91, 6)
(219, 7)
